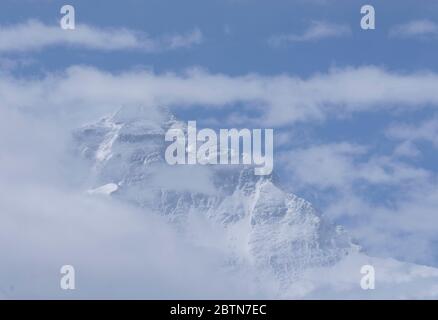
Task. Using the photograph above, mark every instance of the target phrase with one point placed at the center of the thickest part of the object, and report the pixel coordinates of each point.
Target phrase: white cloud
(278, 100)
(342, 165)
(393, 280)
(409, 133)
(416, 28)
(404, 226)
(32, 163)
(34, 35)
(126, 252)
(316, 31)
(118, 250)
(407, 149)
(9, 64)
(388, 205)
(323, 166)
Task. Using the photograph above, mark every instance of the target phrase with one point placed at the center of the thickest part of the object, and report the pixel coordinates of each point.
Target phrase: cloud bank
(279, 100)
(35, 118)
(118, 250)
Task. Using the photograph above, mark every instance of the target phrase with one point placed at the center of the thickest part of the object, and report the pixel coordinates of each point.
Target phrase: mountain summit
(264, 228)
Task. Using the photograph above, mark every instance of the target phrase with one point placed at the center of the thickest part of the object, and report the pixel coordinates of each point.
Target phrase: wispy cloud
(349, 179)
(416, 28)
(425, 131)
(35, 35)
(341, 166)
(316, 31)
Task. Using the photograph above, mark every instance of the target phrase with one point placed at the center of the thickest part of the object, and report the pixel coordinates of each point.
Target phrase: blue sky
(236, 34)
(365, 100)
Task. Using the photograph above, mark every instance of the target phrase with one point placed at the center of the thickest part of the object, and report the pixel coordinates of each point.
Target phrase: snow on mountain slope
(262, 227)
(106, 189)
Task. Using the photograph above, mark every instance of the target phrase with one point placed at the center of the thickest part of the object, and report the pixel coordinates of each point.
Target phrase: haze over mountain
(258, 226)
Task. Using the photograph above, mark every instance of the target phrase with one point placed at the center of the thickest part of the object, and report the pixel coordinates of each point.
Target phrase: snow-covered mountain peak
(283, 234)
(262, 229)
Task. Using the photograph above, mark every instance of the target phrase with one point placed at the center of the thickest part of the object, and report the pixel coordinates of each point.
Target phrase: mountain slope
(263, 228)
